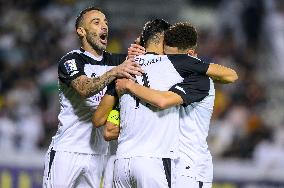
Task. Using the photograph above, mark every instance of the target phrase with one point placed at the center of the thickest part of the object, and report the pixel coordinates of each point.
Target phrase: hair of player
(79, 18)
(152, 29)
(181, 35)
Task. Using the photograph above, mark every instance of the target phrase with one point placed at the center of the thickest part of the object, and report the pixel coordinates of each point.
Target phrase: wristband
(113, 117)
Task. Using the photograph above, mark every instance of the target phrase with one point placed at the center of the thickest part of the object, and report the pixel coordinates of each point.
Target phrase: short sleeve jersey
(75, 131)
(145, 130)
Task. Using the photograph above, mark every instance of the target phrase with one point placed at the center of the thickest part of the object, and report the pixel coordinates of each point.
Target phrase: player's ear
(81, 31)
(192, 52)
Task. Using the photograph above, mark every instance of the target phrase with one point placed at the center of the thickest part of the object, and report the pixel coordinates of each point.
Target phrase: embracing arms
(99, 118)
(87, 87)
(221, 74)
(159, 99)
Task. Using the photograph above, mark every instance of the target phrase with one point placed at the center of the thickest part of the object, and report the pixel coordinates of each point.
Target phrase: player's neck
(155, 49)
(90, 49)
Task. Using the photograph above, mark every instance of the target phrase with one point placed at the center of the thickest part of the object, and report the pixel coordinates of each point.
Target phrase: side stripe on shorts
(167, 168)
(51, 158)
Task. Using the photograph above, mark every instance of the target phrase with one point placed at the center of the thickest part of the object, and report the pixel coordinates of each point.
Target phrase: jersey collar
(91, 55)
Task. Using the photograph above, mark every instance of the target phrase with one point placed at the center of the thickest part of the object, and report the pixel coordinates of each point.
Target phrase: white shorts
(185, 176)
(186, 181)
(142, 172)
(69, 169)
(108, 174)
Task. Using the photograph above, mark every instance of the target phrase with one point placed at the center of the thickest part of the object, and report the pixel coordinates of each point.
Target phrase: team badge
(71, 67)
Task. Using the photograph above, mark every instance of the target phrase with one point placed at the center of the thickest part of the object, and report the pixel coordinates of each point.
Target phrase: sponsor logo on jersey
(71, 67)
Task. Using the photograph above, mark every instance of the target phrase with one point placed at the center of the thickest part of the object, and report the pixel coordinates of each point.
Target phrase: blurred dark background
(247, 128)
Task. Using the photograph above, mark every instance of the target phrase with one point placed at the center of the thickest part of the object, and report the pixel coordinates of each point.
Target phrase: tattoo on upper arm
(87, 87)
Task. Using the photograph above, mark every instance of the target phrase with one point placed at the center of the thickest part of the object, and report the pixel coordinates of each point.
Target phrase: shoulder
(113, 59)
(181, 58)
(75, 54)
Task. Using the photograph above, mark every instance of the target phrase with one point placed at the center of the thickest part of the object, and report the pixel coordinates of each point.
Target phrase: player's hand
(111, 131)
(135, 50)
(121, 86)
(128, 69)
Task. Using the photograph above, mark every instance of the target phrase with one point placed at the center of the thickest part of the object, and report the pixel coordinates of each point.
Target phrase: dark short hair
(79, 18)
(181, 35)
(151, 28)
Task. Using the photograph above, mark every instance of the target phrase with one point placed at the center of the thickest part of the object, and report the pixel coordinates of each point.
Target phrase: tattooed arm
(87, 87)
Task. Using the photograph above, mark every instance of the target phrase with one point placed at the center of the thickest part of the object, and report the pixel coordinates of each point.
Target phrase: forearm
(106, 105)
(223, 80)
(87, 87)
(160, 99)
(99, 118)
(221, 74)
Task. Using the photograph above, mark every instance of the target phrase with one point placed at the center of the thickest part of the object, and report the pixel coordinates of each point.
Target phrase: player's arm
(107, 103)
(188, 65)
(192, 89)
(221, 74)
(159, 99)
(87, 87)
(106, 116)
(101, 117)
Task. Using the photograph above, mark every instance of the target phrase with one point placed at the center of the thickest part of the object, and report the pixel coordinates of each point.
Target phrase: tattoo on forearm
(88, 87)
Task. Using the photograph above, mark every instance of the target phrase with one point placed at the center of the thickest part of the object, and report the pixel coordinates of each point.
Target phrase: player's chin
(103, 45)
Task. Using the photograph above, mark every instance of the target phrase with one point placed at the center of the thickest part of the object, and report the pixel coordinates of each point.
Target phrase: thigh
(149, 172)
(207, 185)
(93, 174)
(186, 181)
(108, 173)
(185, 175)
(121, 174)
(61, 170)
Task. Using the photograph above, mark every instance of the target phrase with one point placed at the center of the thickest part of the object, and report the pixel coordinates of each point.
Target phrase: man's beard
(95, 44)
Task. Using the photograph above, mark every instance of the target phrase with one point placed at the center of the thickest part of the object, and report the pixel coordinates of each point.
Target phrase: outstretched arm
(186, 64)
(221, 74)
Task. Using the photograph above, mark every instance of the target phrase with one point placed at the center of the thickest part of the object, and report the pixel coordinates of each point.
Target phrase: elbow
(162, 104)
(98, 121)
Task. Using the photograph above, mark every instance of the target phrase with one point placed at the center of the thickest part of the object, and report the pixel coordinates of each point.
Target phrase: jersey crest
(71, 67)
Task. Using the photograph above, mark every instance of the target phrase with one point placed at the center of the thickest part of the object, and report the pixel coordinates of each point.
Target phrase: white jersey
(145, 130)
(75, 130)
(194, 127)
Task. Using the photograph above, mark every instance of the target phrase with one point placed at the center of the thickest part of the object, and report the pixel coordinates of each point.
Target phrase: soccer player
(194, 167)
(148, 137)
(77, 152)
